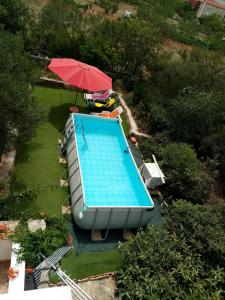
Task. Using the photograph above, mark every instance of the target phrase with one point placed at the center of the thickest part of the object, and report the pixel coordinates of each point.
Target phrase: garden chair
(110, 103)
(98, 96)
(106, 114)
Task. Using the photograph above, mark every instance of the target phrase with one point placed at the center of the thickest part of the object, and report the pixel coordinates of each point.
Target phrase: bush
(158, 264)
(213, 23)
(185, 175)
(8, 204)
(44, 242)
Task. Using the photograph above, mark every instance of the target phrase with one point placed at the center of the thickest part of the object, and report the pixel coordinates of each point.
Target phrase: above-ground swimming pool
(106, 188)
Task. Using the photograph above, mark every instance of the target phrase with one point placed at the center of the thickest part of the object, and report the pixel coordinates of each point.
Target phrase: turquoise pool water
(109, 174)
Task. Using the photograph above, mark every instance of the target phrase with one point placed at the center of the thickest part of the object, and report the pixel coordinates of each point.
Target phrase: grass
(37, 161)
(89, 264)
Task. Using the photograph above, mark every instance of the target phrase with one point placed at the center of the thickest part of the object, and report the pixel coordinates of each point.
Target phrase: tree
(185, 176)
(123, 47)
(57, 31)
(202, 114)
(183, 259)
(19, 112)
(213, 146)
(14, 15)
(159, 265)
(213, 23)
(203, 227)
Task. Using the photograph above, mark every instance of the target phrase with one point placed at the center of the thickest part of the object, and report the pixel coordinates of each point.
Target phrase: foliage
(58, 30)
(213, 23)
(14, 15)
(113, 46)
(182, 260)
(203, 227)
(158, 265)
(185, 9)
(202, 114)
(185, 176)
(44, 242)
(154, 145)
(19, 113)
(214, 146)
(109, 6)
(8, 203)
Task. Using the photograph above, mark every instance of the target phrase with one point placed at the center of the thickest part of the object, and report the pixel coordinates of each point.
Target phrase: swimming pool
(110, 176)
(106, 188)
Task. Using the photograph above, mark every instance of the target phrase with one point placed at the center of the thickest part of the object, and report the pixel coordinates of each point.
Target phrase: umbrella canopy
(80, 75)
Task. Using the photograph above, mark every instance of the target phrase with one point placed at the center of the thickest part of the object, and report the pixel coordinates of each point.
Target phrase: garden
(176, 96)
(38, 171)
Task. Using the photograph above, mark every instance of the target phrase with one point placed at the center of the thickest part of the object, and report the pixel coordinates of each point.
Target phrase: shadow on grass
(24, 151)
(17, 185)
(58, 114)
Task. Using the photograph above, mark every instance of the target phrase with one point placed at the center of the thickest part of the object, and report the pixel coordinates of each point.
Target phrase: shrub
(185, 176)
(44, 242)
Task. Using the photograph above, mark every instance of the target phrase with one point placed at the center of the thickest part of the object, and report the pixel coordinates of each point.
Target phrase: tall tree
(14, 15)
(125, 46)
(19, 112)
(58, 29)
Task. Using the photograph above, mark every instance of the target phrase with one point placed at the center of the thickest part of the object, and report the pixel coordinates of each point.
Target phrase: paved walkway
(103, 289)
(133, 125)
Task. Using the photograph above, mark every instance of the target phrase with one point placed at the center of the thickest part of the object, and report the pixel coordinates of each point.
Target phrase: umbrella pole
(76, 98)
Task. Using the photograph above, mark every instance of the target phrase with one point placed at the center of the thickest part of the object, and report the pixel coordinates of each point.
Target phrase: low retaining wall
(50, 82)
(86, 279)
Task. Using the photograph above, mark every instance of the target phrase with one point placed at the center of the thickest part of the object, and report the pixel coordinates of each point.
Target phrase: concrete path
(103, 289)
(134, 128)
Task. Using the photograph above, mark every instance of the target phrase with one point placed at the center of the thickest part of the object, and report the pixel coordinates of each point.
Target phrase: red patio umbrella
(80, 75)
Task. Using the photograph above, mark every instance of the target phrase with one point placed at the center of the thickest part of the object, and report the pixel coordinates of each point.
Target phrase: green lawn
(37, 161)
(88, 264)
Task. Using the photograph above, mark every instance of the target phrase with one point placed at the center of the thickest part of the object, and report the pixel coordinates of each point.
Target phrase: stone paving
(103, 289)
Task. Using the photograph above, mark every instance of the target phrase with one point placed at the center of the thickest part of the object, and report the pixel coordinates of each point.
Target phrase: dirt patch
(125, 7)
(176, 46)
(37, 5)
(96, 9)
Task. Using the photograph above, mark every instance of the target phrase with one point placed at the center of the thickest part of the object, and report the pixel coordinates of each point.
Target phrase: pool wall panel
(137, 218)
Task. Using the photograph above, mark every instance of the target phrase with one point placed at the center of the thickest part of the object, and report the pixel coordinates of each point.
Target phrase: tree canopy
(19, 112)
(184, 259)
(14, 15)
